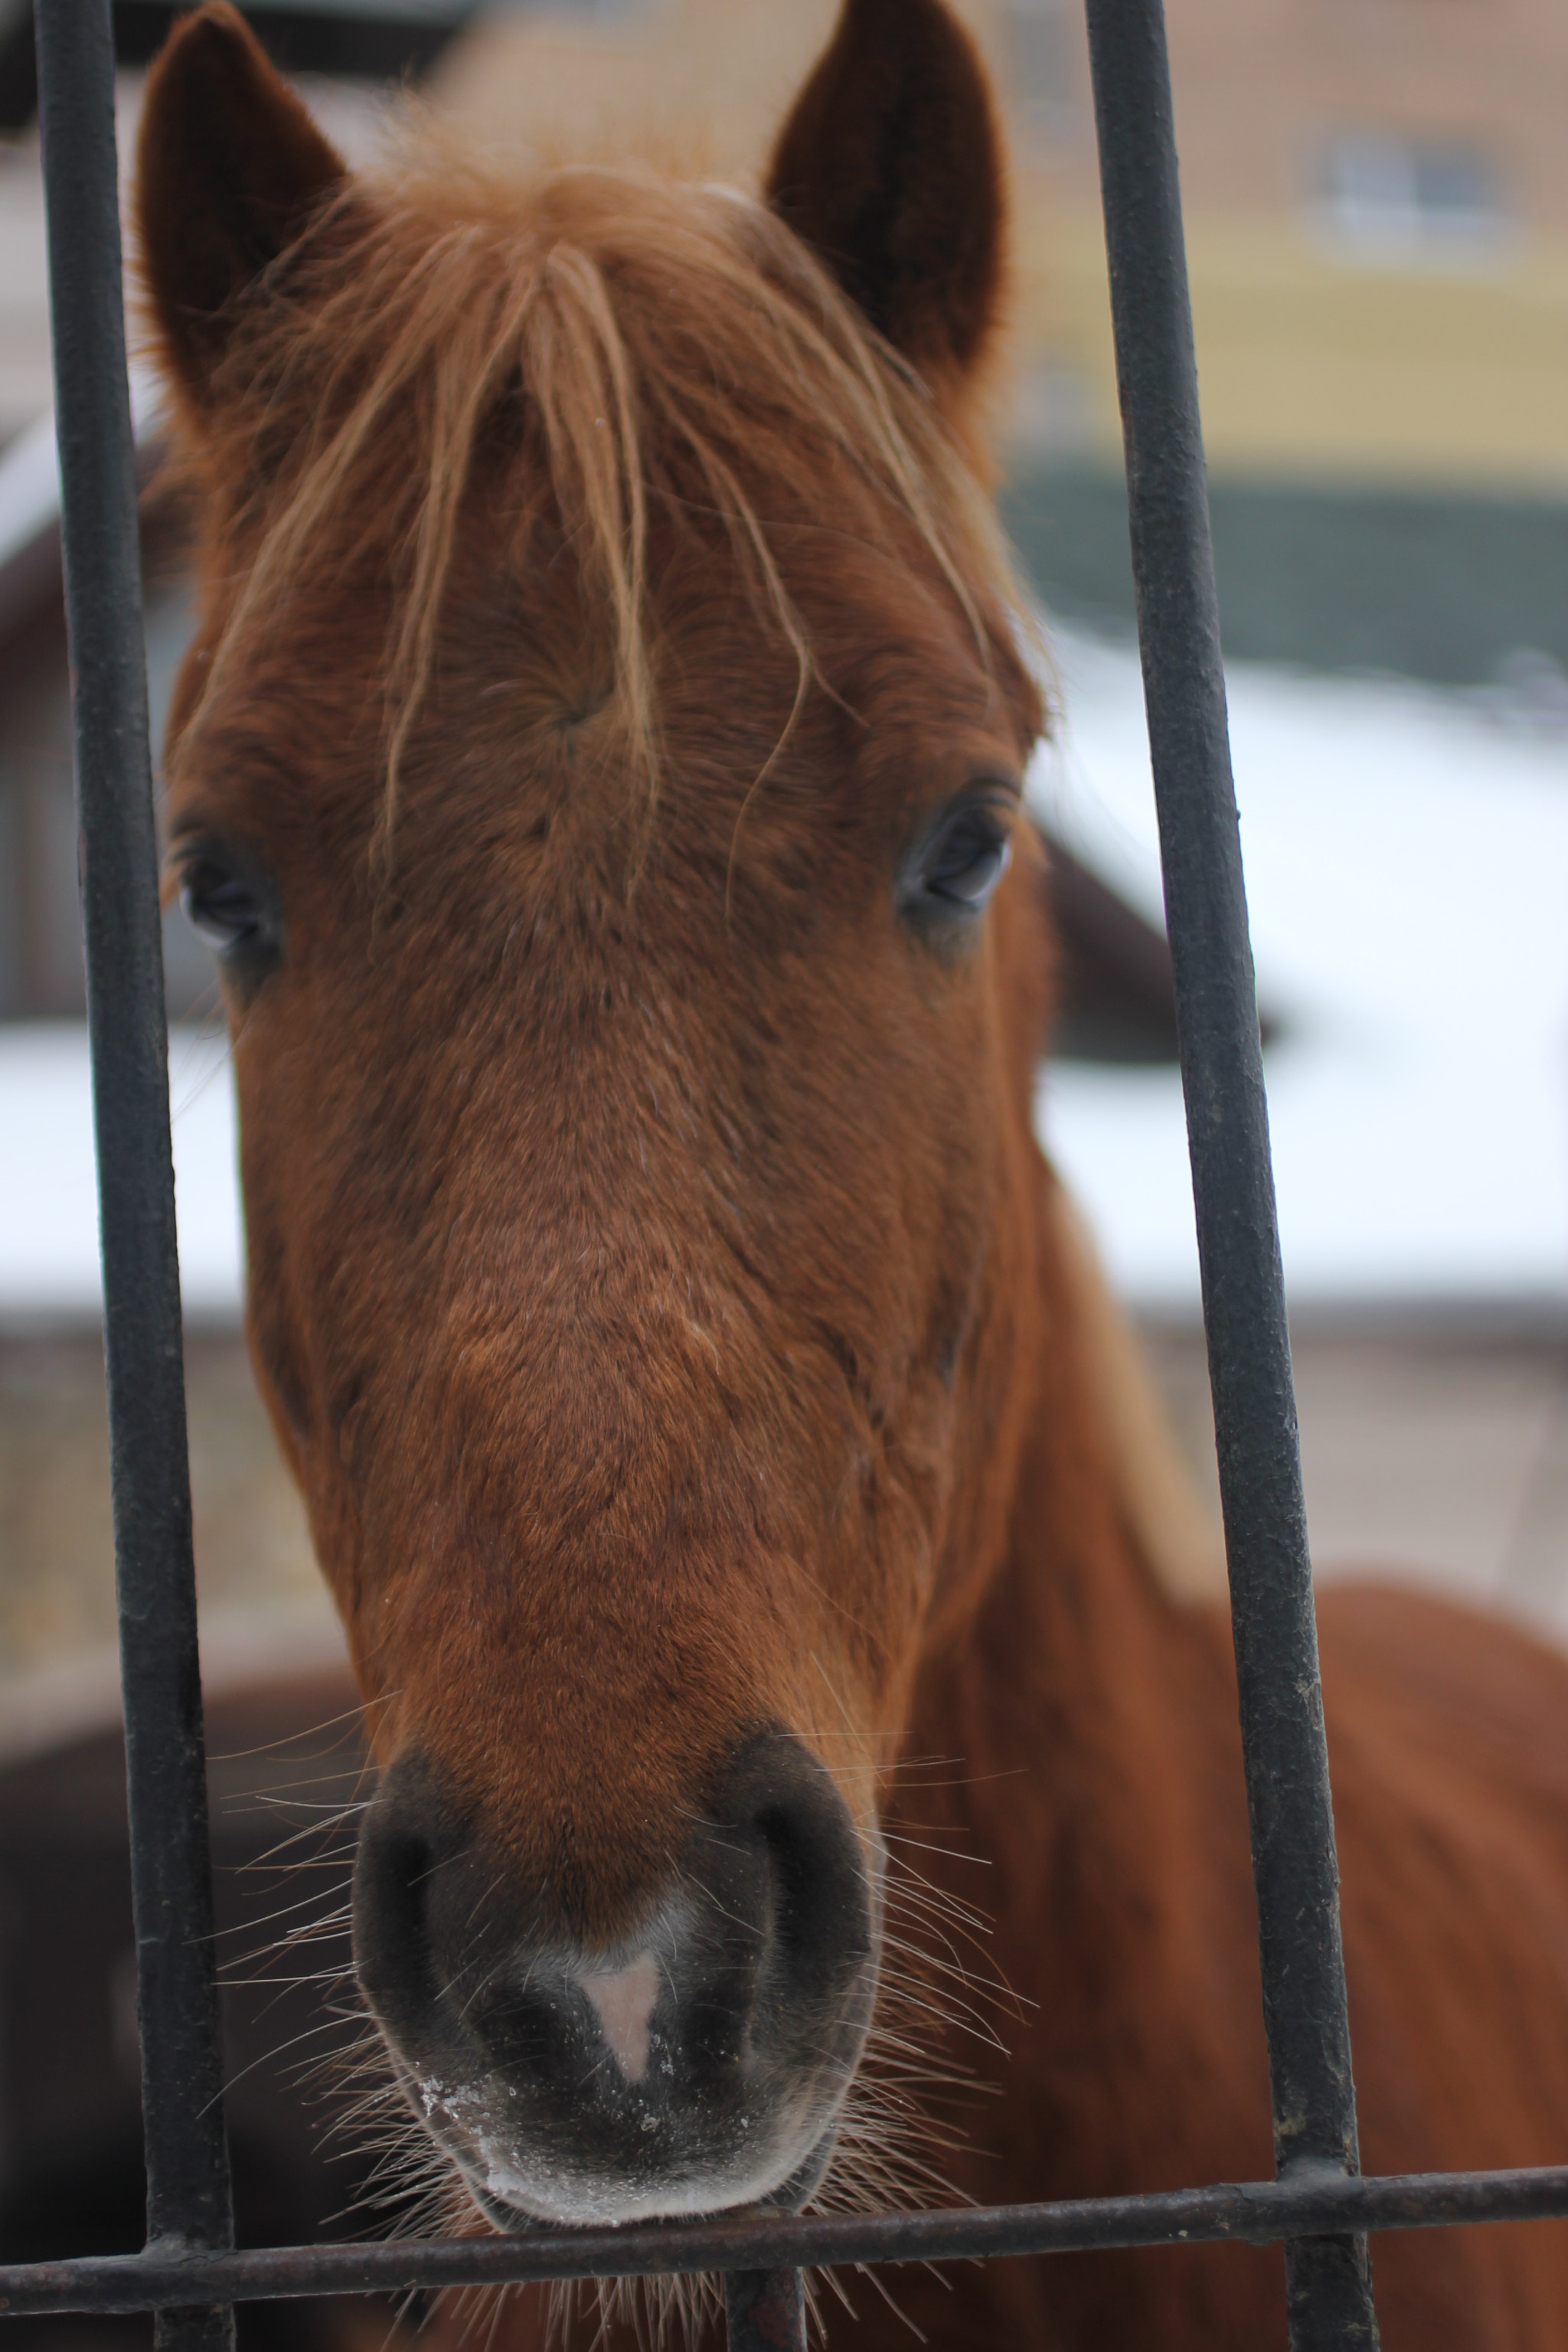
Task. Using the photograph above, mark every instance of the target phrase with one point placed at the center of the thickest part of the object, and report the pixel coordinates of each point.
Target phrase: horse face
(636, 1186)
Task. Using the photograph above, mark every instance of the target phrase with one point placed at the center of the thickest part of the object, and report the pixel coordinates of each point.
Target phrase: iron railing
(1316, 2205)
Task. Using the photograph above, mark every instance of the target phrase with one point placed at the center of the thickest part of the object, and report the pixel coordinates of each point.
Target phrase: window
(1387, 197)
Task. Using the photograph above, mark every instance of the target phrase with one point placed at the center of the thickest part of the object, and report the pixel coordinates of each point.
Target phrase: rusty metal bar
(1295, 1873)
(188, 2199)
(765, 2310)
(1255, 2213)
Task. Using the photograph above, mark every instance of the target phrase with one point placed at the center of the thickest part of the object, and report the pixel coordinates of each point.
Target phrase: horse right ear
(889, 167)
(230, 170)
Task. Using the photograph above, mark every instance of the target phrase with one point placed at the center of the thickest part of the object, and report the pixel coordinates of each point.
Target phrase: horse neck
(1084, 1715)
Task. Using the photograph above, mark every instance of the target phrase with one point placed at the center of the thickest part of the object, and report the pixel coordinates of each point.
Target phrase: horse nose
(695, 2058)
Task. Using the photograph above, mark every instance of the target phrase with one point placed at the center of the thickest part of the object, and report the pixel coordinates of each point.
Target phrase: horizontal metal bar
(1250, 2212)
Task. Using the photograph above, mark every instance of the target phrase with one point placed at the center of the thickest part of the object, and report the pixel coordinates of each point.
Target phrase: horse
(802, 1775)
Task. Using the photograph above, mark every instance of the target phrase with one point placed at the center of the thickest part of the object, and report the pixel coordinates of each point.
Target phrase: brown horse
(599, 763)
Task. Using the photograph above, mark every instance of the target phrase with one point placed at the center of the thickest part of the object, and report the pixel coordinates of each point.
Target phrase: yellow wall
(1312, 367)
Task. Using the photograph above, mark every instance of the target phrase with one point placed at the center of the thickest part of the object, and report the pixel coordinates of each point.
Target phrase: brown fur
(657, 1288)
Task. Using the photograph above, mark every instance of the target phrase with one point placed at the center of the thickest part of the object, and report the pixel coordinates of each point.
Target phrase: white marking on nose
(623, 2001)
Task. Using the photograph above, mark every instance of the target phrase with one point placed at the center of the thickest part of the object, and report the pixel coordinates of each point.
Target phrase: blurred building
(1376, 195)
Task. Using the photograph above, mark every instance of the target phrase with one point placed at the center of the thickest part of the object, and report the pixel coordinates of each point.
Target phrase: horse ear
(230, 169)
(890, 169)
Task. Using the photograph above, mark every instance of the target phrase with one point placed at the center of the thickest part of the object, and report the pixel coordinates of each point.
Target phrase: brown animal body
(597, 762)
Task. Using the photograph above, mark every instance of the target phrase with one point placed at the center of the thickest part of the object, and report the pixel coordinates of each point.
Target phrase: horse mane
(1172, 1530)
(652, 346)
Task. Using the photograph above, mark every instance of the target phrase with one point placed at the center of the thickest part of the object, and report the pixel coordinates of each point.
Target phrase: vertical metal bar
(1293, 1860)
(188, 2199)
(766, 2311)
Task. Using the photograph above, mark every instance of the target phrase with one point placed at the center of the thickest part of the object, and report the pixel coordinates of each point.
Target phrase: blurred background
(1377, 221)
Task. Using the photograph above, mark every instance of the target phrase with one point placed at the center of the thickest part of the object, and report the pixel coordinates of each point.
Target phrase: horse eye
(960, 863)
(219, 907)
(230, 910)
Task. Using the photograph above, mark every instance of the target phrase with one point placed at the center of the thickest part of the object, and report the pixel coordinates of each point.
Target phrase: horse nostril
(394, 1867)
(698, 2058)
(798, 1884)
(524, 2032)
(820, 1900)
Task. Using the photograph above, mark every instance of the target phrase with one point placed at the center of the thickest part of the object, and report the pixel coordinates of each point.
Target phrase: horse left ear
(230, 169)
(889, 168)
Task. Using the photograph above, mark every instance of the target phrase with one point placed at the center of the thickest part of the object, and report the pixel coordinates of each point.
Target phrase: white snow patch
(1406, 863)
(49, 1195)
(1407, 870)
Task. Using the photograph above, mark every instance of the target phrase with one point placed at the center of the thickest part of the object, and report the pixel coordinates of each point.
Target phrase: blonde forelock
(661, 336)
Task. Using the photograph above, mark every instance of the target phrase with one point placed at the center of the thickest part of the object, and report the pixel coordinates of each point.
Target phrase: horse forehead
(511, 789)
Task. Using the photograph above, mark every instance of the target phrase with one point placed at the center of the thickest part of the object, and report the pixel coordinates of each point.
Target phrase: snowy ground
(1406, 861)
(49, 1202)
(1406, 857)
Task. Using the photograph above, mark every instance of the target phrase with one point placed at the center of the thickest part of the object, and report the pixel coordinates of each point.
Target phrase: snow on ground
(1407, 868)
(48, 1202)
(1406, 858)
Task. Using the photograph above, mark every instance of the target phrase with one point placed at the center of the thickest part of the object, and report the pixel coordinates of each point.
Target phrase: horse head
(597, 766)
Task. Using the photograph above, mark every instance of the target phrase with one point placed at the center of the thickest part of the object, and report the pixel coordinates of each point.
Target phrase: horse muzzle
(699, 2062)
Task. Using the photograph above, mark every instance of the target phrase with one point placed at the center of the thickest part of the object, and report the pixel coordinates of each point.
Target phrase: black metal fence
(1316, 2205)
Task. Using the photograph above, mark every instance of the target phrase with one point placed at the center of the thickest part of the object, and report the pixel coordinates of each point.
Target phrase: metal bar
(1255, 2213)
(1294, 1868)
(765, 2311)
(188, 2199)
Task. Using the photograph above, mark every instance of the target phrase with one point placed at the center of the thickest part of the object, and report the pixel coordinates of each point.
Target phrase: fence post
(188, 2197)
(1329, 2285)
(765, 2311)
